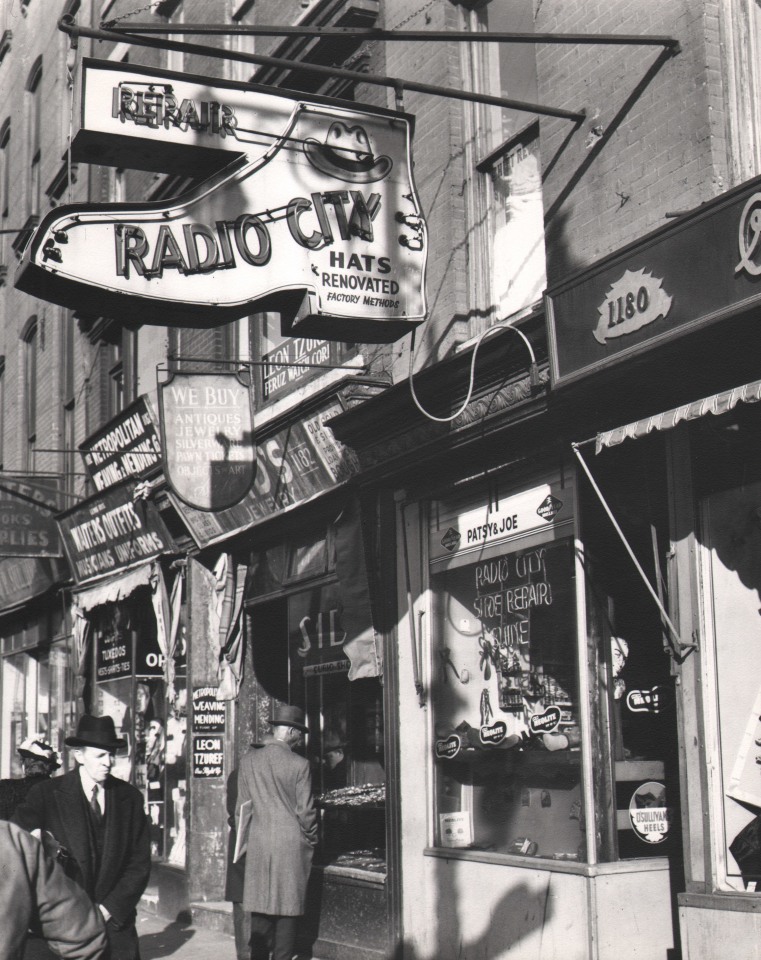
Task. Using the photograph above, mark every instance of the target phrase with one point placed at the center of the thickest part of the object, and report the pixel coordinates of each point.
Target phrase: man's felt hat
(35, 748)
(96, 732)
(287, 715)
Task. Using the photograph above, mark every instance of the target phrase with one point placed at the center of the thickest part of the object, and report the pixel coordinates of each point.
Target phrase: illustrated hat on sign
(96, 732)
(347, 154)
(287, 715)
(35, 748)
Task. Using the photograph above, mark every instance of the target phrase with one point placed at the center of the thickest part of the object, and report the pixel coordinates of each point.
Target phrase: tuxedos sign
(308, 208)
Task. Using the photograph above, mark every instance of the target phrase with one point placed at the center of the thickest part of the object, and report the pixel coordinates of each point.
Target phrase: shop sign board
(649, 815)
(207, 427)
(208, 755)
(208, 712)
(127, 447)
(292, 466)
(113, 658)
(23, 578)
(311, 210)
(27, 517)
(110, 532)
(318, 644)
(686, 275)
(456, 531)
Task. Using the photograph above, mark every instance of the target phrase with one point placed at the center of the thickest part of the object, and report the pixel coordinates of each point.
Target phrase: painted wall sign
(128, 446)
(650, 817)
(27, 517)
(207, 427)
(291, 467)
(455, 531)
(208, 756)
(110, 532)
(688, 274)
(208, 713)
(312, 211)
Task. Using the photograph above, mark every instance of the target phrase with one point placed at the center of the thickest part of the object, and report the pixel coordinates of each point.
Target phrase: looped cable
(503, 325)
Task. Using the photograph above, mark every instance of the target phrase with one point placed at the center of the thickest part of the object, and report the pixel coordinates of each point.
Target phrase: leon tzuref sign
(307, 207)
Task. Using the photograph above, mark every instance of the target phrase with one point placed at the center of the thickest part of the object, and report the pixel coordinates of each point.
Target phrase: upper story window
(34, 96)
(175, 59)
(30, 337)
(243, 15)
(509, 193)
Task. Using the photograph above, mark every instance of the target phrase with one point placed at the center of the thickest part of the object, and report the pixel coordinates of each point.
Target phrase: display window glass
(508, 768)
(634, 741)
(728, 481)
(37, 699)
(298, 656)
(130, 687)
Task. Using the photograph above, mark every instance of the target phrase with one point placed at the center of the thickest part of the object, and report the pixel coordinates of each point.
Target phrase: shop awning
(115, 588)
(717, 404)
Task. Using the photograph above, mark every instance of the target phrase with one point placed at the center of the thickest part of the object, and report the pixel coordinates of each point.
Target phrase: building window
(69, 403)
(510, 271)
(2, 413)
(5, 185)
(116, 382)
(175, 59)
(34, 91)
(243, 15)
(30, 339)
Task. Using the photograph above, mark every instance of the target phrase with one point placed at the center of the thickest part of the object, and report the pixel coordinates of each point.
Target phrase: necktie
(95, 806)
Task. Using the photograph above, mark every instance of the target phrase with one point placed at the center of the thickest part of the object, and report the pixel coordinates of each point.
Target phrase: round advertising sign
(649, 815)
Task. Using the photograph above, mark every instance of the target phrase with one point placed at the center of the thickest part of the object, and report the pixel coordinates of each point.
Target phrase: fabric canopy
(716, 404)
(115, 588)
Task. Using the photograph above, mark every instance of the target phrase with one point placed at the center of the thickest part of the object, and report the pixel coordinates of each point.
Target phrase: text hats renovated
(96, 732)
(289, 716)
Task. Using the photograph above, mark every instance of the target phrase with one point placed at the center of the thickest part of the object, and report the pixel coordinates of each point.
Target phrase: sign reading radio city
(110, 532)
(207, 437)
(309, 209)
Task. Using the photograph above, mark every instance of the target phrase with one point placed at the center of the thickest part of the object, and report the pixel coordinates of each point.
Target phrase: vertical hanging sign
(207, 438)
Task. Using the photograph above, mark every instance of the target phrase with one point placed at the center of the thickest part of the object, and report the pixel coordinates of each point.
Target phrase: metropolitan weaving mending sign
(308, 208)
(207, 437)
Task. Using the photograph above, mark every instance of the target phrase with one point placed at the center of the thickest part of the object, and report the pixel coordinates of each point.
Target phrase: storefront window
(507, 747)
(635, 710)
(130, 687)
(310, 667)
(729, 489)
(36, 699)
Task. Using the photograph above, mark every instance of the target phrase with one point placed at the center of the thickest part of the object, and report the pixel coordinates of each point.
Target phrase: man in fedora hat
(97, 826)
(281, 837)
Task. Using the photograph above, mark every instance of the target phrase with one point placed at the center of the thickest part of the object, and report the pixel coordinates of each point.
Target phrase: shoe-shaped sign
(306, 206)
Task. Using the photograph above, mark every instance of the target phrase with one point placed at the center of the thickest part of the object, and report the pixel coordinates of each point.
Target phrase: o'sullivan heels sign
(307, 206)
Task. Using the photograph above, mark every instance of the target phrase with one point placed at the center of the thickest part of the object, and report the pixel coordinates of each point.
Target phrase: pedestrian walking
(35, 891)
(39, 761)
(100, 829)
(281, 836)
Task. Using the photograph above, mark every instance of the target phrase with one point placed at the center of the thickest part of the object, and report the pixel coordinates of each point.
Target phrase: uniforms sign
(311, 211)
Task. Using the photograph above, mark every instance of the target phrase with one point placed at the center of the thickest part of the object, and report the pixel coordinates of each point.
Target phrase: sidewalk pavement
(160, 937)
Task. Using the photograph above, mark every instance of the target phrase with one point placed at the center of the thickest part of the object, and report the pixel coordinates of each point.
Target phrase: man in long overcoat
(99, 827)
(281, 837)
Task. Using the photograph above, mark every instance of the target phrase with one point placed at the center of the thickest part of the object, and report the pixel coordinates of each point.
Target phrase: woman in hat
(99, 828)
(38, 760)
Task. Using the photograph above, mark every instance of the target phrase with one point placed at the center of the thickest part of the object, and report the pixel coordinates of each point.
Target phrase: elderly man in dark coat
(281, 837)
(34, 891)
(100, 828)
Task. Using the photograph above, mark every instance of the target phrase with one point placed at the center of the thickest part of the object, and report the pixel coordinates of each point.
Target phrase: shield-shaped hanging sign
(207, 438)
